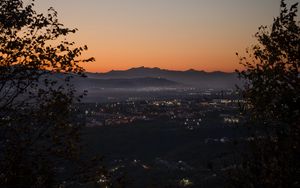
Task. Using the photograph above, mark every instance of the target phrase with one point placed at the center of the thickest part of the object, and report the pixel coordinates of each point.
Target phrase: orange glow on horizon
(169, 34)
(182, 61)
(108, 66)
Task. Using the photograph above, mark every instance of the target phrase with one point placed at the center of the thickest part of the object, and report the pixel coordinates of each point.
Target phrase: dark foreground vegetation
(273, 104)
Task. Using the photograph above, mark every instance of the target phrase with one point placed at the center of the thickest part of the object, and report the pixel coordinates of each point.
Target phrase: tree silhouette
(272, 105)
(39, 129)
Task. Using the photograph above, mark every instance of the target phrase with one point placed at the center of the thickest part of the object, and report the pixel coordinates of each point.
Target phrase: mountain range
(125, 83)
(156, 77)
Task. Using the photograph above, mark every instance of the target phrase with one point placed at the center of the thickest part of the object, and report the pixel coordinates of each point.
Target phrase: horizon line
(139, 67)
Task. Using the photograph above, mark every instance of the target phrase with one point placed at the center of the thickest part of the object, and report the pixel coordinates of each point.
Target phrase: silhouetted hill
(199, 79)
(125, 83)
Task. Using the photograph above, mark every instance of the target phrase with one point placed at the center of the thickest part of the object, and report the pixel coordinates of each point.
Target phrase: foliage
(272, 104)
(39, 129)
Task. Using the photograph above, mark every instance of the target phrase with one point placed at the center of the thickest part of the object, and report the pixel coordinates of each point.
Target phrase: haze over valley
(147, 82)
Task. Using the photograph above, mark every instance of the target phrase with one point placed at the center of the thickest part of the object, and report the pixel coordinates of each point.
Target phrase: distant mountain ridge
(125, 83)
(194, 78)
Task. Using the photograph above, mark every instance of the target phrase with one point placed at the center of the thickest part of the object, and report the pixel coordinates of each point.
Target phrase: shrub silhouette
(39, 129)
(272, 105)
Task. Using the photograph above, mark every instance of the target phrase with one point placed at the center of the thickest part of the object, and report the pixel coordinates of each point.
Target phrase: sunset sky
(170, 34)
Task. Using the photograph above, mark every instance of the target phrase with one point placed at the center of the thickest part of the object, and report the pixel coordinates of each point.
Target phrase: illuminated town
(163, 138)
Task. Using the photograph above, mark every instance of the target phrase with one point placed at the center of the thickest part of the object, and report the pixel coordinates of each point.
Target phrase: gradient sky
(170, 34)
